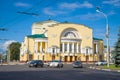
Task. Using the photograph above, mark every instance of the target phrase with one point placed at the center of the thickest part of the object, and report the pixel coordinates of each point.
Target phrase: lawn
(112, 66)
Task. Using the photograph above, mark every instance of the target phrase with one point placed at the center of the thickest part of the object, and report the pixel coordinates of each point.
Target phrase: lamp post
(107, 34)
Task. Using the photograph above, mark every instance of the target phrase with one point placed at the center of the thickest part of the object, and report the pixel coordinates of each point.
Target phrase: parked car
(55, 63)
(77, 64)
(36, 63)
(101, 63)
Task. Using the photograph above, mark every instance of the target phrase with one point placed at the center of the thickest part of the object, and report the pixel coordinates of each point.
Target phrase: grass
(112, 66)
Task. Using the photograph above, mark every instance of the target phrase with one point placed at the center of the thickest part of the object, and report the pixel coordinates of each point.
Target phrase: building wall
(54, 34)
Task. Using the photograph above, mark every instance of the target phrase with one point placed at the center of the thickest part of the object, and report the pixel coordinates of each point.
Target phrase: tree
(116, 51)
(14, 49)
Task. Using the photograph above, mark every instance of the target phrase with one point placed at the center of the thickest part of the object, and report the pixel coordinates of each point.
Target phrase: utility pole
(8, 56)
(107, 34)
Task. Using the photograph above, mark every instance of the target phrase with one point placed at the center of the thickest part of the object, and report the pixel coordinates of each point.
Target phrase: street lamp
(107, 34)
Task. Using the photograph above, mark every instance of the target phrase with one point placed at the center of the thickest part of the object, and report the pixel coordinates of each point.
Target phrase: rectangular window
(70, 47)
(75, 49)
(79, 48)
(86, 51)
(60, 47)
(65, 47)
(53, 50)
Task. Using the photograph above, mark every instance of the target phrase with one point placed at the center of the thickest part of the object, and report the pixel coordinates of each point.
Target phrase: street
(23, 72)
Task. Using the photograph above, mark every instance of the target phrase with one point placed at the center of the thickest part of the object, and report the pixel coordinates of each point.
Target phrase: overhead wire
(38, 9)
(13, 21)
(19, 16)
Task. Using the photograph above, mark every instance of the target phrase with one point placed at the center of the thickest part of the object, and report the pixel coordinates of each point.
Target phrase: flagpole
(107, 35)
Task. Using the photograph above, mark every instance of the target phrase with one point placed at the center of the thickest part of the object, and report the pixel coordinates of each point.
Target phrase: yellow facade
(51, 40)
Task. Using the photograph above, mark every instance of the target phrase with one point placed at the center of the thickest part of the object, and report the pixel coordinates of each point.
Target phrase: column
(68, 47)
(36, 47)
(78, 47)
(40, 47)
(97, 48)
(46, 46)
(55, 50)
(73, 49)
(63, 47)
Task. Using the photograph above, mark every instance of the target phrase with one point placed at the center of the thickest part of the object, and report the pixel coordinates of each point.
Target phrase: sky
(17, 25)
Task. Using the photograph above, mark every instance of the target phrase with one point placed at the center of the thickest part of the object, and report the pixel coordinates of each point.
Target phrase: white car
(55, 63)
(101, 63)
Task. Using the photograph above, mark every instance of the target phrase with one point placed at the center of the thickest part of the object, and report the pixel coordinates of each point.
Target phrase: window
(65, 47)
(86, 51)
(70, 35)
(79, 49)
(53, 50)
(70, 47)
(60, 47)
(75, 50)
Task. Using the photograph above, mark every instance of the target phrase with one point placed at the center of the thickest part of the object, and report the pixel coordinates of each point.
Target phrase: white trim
(73, 48)
(41, 40)
(63, 47)
(70, 40)
(68, 50)
(66, 54)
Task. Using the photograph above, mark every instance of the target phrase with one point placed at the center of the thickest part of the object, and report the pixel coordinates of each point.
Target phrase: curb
(103, 69)
(14, 64)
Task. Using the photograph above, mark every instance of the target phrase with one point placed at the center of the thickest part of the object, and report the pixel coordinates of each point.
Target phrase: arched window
(70, 35)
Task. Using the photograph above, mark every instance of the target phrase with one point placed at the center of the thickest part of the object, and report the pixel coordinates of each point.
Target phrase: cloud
(76, 5)
(21, 4)
(99, 32)
(6, 44)
(93, 16)
(112, 2)
(89, 16)
(50, 11)
(86, 5)
(69, 5)
(111, 13)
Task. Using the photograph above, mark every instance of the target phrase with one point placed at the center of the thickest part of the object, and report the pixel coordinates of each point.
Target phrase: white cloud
(111, 13)
(99, 32)
(21, 4)
(94, 16)
(86, 5)
(69, 5)
(76, 5)
(50, 11)
(6, 44)
(112, 2)
(89, 16)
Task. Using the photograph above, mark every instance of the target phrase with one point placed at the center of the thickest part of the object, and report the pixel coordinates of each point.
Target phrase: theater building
(52, 40)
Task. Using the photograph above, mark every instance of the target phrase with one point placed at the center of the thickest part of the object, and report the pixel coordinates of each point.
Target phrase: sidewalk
(99, 68)
(13, 63)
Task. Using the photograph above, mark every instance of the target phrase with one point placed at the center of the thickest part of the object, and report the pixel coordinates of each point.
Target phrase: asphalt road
(23, 72)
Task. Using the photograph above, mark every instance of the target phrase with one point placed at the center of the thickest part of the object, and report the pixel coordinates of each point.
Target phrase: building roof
(37, 36)
(44, 23)
(48, 21)
(97, 39)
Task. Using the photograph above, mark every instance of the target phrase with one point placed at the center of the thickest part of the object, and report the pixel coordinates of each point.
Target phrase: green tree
(116, 52)
(14, 49)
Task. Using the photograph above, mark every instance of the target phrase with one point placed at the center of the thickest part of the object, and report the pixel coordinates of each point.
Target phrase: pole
(107, 38)
(107, 35)
(8, 56)
(1, 58)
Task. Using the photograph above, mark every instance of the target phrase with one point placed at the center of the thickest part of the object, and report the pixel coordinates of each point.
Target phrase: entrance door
(87, 58)
(53, 57)
(30, 57)
(71, 57)
(66, 58)
(75, 58)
